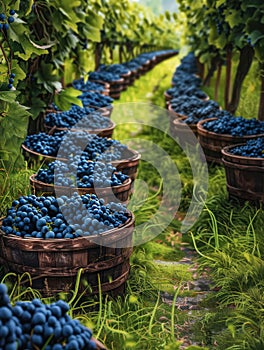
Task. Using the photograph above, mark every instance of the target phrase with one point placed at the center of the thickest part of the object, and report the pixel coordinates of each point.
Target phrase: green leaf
(234, 18)
(8, 96)
(221, 41)
(256, 36)
(259, 50)
(220, 2)
(66, 98)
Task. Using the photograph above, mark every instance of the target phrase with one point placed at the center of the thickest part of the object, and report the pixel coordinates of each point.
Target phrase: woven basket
(128, 166)
(213, 143)
(106, 132)
(38, 157)
(126, 78)
(167, 96)
(54, 264)
(109, 194)
(244, 176)
(177, 125)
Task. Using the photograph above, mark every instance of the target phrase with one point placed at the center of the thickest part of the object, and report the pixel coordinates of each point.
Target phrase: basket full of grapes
(244, 168)
(80, 119)
(56, 239)
(46, 147)
(35, 325)
(216, 133)
(82, 176)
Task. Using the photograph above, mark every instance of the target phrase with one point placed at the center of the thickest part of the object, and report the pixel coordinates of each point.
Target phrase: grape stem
(6, 58)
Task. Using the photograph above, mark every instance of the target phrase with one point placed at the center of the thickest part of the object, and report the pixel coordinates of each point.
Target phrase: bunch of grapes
(44, 217)
(82, 174)
(33, 325)
(235, 126)
(253, 148)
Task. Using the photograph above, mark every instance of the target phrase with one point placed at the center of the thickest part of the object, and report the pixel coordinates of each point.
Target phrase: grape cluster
(79, 84)
(252, 148)
(10, 327)
(90, 98)
(45, 144)
(41, 217)
(92, 147)
(84, 118)
(222, 26)
(81, 174)
(194, 108)
(184, 89)
(140, 60)
(205, 115)
(104, 76)
(133, 66)
(33, 325)
(5, 21)
(114, 68)
(235, 126)
(11, 81)
(188, 64)
(186, 78)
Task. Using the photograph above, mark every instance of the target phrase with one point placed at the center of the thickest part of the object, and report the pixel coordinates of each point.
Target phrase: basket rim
(124, 184)
(201, 128)
(126, 75)
(25, 148)
(105, 83)
(75, 241)
(135, 156)
(121, 80)
(90, 131)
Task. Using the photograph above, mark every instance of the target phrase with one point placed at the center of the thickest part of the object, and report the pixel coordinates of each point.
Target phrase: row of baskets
(115, 88)
(54, 263)
(244, 175)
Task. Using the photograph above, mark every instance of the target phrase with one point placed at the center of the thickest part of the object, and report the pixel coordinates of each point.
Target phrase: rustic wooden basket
(128, 166)
(54, 264)
(38, 157)
(104, 83)
(106, 132)
(126, 78)
(167, 96)
(244, 176)
(109, 194)
(212, 143)
(178, 125)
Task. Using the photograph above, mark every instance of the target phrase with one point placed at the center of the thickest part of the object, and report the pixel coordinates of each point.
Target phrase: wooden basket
(104, 83)
(167, 96)
(55, 263)
(126, 78)
(38, 157)
(244, 176)
(109, 194)
(179, 126)
(106, 132)
(128, 166)
(212, 143)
